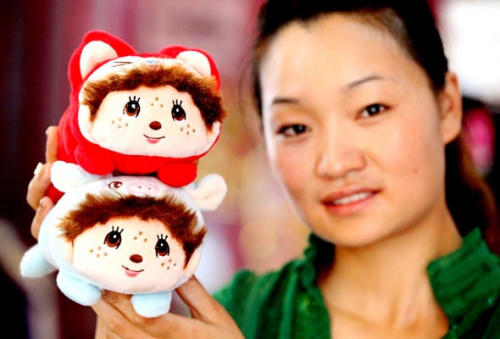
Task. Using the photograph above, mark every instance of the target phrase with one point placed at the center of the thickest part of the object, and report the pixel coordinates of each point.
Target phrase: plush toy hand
(209, 192)
(178, 174)
(99, 162)
(66, 176)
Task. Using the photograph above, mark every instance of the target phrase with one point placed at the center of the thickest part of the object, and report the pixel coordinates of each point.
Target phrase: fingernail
(38, 169)
(41, 204)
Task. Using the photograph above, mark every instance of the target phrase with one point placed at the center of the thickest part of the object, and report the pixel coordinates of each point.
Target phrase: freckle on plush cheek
(98, 252)
(188, 129)
(139, 236)
(158, 103)
(168, 264)
(118, 123)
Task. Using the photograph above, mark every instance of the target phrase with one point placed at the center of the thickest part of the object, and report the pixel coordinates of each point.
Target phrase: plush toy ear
(67, 250)
(192, 264)
(214, 134)
(209, 192)
(94, 53)
(196, 60)
(104, 45)
(67, 176)
(85, 123)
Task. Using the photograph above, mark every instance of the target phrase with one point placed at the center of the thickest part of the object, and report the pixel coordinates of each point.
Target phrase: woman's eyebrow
(368, 78)
(284, 100)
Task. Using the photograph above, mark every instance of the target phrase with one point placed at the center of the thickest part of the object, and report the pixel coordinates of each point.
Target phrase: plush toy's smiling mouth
(153, 140)
(131, 273)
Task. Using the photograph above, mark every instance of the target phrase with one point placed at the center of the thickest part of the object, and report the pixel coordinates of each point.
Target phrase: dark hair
(412, 24)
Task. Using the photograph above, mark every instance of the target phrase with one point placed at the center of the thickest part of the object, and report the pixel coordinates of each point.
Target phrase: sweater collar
(466, 281)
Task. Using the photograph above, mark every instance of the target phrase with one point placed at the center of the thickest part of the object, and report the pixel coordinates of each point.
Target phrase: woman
(361, 120)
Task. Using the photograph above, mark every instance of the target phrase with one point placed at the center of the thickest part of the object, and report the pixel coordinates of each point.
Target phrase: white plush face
(126, 255)
(130, 255)
(151, 121)
(158, 121)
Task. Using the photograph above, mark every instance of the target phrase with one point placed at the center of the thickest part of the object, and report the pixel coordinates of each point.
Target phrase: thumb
(44, 207)
(201, 304)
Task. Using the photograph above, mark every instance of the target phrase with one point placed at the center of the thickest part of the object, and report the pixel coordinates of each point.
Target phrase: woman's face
(353, 130)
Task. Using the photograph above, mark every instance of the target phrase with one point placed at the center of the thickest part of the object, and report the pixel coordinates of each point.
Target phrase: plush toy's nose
(136, 258)
(156, 125)
(142, 189)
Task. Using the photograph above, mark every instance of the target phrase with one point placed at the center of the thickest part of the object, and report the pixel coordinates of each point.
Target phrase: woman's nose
(338, 157)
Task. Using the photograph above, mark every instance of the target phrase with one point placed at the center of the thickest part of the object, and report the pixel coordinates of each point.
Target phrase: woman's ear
(450, 103)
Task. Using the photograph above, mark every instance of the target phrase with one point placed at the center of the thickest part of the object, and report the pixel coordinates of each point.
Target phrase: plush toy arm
(34, 265)
(66, 176)
(209, 192)
(96, 162)
(178, 174)
(152, 305)
(78, 290)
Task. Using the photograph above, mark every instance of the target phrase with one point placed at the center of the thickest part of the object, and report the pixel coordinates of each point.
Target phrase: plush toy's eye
(162, 248)
(178, 113)
(114, 238)
(115, 184)
(132, 107)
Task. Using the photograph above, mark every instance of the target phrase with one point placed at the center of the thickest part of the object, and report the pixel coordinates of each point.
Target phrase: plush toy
(139, 113)
(128, 234)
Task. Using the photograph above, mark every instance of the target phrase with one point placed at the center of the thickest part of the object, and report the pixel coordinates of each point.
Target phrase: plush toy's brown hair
(203, 90)
(95, 210)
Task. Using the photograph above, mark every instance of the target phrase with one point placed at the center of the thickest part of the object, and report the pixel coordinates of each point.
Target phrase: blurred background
(254, 227)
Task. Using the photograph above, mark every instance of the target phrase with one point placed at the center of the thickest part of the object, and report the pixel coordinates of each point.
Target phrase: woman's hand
(41, 181)
(117, 318)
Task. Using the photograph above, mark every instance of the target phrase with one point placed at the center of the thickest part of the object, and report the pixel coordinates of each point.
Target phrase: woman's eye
(162, 249)
(372, 110)
(292, 130)
(132, 107)
(178, 113)
(114, 238)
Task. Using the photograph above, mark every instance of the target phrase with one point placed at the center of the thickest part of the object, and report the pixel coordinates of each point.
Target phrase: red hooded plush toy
(139, 113)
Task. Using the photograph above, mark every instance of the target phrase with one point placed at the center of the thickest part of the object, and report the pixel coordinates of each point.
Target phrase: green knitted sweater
(288, 304)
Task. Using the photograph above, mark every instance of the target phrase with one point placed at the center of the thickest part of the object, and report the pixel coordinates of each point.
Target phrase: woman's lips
(153, 140)
(131, 273)
(344, 204)
(351, 198)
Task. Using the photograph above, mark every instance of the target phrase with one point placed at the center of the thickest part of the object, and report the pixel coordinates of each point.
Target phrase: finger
(206, 310)
(116, 311)
(44, 207)
(103, 332)
(38, 185)
(201, 304)
(121, 302)
(111, 322)
(100, 328)
(52, 143)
